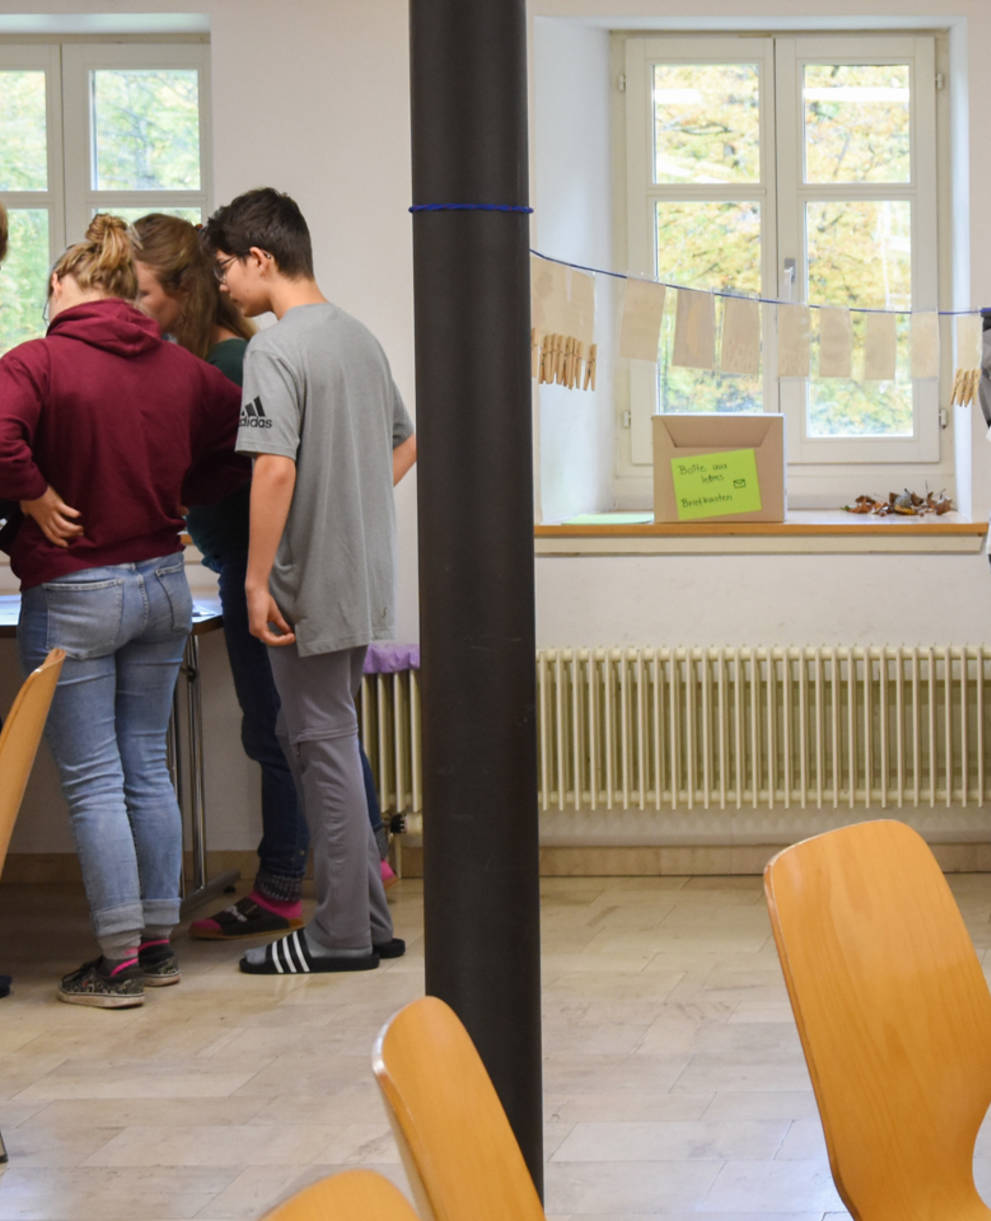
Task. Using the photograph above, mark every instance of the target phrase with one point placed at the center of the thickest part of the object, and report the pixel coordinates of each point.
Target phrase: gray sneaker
(96, 984)
(159, 966)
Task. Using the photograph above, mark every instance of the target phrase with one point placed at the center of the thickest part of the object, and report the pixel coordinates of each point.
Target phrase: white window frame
(70, 198)
(643, 193)
(820, 469)
(792, 54)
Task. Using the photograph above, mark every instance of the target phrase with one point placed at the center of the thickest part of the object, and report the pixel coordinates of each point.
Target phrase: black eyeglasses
(220, 268)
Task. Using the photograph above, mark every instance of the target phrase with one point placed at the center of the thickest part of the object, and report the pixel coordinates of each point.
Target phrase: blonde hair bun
(102, 260)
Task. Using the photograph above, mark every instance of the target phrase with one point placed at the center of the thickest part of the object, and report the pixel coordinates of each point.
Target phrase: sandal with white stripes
(291, 956)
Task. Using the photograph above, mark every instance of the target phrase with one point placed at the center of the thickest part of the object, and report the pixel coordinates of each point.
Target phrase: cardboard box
(719, 468)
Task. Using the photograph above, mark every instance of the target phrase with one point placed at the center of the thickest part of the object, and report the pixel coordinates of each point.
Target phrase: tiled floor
(673, 1080)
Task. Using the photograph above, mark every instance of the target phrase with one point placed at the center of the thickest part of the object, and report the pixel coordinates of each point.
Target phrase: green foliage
(23, 158)
(706, 246)
(706, 123)
(24, 278)
(860, 253)
(857, 123)
(145, 137)
(146, 129)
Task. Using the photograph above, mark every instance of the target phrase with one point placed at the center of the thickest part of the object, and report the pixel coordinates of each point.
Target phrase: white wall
(573, 221)
(317, 103)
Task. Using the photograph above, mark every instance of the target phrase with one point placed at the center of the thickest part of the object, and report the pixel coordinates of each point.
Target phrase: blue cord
(716, 292)
(469, 207)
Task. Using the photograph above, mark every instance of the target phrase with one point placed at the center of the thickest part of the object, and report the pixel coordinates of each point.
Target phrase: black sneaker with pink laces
(159, 965)
(104, 985)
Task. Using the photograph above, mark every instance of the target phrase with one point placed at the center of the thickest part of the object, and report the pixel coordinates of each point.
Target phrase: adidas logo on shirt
(253, 415)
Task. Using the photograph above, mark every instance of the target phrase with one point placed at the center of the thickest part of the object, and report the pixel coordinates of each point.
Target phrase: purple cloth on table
(392, 658)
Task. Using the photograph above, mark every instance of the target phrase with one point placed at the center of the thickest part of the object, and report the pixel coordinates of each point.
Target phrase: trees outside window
(89, 127)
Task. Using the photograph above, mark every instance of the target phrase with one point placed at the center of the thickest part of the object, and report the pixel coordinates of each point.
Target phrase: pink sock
(292, 910)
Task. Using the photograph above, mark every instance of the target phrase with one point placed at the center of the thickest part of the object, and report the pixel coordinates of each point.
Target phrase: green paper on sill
(609, 519)
(714, 485)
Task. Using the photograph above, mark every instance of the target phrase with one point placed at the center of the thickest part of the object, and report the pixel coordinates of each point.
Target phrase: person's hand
(264, 615)
(56, 520)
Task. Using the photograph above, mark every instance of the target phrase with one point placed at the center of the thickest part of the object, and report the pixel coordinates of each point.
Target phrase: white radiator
(730, 729)
(390, 733)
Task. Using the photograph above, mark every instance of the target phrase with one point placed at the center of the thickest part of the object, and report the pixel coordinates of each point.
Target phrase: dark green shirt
(221, 530)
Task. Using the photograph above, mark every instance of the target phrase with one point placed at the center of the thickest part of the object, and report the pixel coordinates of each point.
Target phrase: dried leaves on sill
(904, 504)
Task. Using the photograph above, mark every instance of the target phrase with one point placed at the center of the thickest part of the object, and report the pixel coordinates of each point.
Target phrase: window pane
(706, 245)
(146, 133)
(857, 123)
(860, 253)
(24, 277)
(706, 123)
(23, 153)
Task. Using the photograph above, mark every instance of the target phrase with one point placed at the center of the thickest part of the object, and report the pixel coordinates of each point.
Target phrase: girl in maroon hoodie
(105, 432)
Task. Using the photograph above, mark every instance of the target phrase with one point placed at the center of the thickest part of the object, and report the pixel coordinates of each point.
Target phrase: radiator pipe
(475, 511)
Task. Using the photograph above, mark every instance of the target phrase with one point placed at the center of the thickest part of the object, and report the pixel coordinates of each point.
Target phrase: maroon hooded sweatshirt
(125, 427)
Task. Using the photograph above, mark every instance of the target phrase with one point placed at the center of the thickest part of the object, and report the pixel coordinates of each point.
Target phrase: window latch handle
(789, 276)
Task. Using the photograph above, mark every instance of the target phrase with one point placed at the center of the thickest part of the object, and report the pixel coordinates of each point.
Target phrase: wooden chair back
(352, 1195)
(894, 1016)
(20, 738)
(460, 1153)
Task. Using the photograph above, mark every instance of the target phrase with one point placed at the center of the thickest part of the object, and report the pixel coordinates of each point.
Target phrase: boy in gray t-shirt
(329, 434)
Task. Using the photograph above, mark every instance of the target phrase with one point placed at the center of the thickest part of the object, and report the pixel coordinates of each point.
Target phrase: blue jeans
(123, 629)
(285, 838)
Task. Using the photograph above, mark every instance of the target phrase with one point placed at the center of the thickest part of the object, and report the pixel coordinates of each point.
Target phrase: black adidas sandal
(291, 956)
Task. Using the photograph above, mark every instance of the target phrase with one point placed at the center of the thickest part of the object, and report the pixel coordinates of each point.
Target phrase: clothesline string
(736, 296)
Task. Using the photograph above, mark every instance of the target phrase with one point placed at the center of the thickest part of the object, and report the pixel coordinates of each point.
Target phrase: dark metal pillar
(475, 492)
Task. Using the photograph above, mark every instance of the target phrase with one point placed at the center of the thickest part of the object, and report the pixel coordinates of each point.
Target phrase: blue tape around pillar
(469, 207)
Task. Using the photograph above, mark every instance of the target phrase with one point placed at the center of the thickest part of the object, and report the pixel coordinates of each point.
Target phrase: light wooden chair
(460, 1153)
(19, 742)
(894, 1016)
(352, 1195)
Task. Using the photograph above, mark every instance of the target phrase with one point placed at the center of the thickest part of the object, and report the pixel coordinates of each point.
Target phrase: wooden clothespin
(590, 367)
(546, 368)
(965, 384)
(579, 363)
(535, 340)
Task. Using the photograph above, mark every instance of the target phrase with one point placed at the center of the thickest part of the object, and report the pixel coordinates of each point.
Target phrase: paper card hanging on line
(740, 348)
(925, 345)
(835, 343)
(640, 326)
(549, 308)
(793, 340)
(581, 306)
(880, 348)
(694, 329)
(969, 341)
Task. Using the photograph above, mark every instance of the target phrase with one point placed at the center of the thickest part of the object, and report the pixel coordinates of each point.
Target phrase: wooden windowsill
(805, 530)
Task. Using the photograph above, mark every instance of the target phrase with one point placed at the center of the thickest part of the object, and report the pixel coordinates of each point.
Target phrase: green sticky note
(713, 485)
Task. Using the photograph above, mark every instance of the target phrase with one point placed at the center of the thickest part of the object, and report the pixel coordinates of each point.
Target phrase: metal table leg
(189, 783)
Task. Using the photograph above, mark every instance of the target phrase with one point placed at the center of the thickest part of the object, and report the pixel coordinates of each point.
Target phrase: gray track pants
(318, 730)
